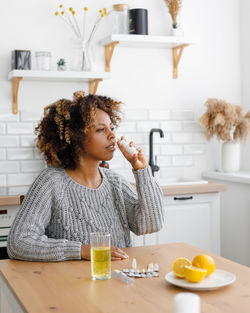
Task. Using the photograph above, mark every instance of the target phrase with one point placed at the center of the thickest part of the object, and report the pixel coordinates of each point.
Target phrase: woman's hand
(116, 253)
(138, 161)
(85, 252)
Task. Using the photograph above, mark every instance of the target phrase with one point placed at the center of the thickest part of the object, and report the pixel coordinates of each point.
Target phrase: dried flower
(72, 21)
(225, 120)
(173, 9)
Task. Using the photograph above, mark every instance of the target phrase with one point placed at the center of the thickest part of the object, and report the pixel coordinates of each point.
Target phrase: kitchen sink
(180, 181)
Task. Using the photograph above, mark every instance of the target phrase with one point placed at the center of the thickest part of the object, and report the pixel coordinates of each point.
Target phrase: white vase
(230, 157)
(176, 32)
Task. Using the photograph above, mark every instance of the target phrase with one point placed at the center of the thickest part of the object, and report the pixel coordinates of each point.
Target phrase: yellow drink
(100, 263)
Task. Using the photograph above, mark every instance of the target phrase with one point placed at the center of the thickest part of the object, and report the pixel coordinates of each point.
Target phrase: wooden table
(66, 287)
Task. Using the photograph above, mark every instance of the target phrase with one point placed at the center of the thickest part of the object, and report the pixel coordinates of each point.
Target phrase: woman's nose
(111, 134)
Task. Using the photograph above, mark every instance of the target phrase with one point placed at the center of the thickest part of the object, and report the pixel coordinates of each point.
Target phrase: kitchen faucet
(154, 167)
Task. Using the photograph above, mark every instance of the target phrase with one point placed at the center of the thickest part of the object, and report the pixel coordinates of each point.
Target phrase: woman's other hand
(85, 252)
(137, 160)
(116, 253)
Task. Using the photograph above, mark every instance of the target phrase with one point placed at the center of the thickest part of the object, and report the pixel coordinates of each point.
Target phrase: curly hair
(63, 129)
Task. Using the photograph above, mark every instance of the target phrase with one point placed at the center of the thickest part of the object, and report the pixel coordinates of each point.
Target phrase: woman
(73, 196)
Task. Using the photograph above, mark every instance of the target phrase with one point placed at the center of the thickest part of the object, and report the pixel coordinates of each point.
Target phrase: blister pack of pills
(151, 271)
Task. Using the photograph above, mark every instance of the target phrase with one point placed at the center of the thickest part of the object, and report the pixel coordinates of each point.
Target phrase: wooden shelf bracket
(93, 85)
(15, 87)
(177, 53)
(109, 49)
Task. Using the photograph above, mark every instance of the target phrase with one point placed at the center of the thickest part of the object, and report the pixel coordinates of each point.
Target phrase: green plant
(61, 62)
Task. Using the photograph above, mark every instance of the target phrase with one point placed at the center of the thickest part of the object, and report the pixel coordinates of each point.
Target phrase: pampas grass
(173, 9)
(225, 120)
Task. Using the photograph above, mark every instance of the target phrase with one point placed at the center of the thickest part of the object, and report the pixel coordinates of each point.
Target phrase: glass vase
(81, 58)
(86, 57)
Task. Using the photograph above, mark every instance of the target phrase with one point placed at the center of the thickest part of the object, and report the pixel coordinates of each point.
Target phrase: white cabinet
(191, 218)
(235, 215)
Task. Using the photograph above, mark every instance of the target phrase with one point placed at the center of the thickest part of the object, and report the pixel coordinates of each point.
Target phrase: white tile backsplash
(37, 155)
(164, 161)
(194, 149)
(136, 115)
(2, 129)
(18, 190)
(127, 127)
(182, 160)
(20, 128)
(182, 137)
(20, 154)
(199, 138)
(28, 141)
(9, 167)
(171, 149)
(146, 126)
(3, 180)
(171, 126)
(9, 141)
(2, 154)
(182, 115)
(32, 166)
(158, 115)
(183, 140)
(20, 179)
(191, 126)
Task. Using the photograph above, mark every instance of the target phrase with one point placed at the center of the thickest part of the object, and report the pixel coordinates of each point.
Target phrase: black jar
(138, 21)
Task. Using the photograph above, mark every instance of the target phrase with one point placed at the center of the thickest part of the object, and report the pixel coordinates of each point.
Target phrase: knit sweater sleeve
(145, 208)
(27, 239)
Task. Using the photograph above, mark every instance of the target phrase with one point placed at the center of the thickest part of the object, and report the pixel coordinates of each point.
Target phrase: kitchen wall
(245, 73)
(141, 78)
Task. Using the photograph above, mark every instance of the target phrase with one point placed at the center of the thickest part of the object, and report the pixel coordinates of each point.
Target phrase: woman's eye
(100, 129)
(112, 129)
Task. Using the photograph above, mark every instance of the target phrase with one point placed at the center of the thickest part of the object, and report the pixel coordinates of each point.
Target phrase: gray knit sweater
(58, 214)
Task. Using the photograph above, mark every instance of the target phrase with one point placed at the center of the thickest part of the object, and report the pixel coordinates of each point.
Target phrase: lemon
(194, 274)
(204, 261)
(178, 266)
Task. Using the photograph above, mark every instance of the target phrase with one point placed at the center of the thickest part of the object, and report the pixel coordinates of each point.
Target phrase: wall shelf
(177, 44)
(93, 78)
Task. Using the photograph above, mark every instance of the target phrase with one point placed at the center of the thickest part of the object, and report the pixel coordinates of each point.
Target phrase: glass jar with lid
(43, 60)
(119, 19)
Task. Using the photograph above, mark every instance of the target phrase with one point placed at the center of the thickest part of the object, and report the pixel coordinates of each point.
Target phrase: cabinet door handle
(183, 198)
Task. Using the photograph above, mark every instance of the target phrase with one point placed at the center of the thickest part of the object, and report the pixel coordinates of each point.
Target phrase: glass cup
(100, 256)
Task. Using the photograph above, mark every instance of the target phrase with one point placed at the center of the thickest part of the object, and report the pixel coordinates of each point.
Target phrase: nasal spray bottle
(130, 150)
(186, 302)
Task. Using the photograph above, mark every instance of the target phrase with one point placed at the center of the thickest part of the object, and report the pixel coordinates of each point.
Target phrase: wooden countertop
(166, 190)
(67, 287)
(11, 200)
(191, 189)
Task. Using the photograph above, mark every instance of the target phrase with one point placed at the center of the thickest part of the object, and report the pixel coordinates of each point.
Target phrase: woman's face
(100, 141)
